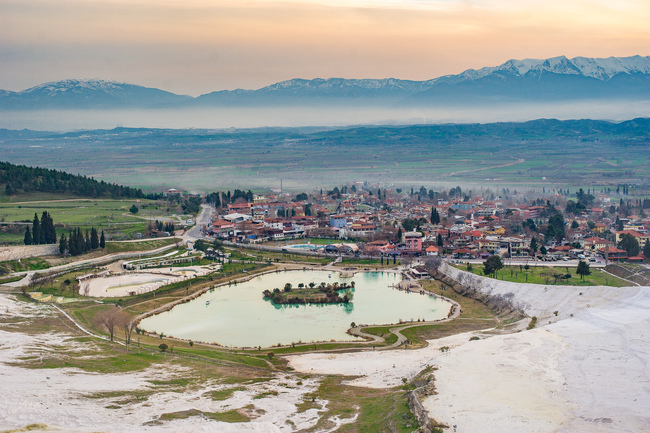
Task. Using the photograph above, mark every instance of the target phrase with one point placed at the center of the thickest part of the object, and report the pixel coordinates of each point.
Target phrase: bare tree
(108, 319)
(128, 325)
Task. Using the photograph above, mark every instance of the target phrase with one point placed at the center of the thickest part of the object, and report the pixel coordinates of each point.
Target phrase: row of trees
(42, 232)
(80, 242)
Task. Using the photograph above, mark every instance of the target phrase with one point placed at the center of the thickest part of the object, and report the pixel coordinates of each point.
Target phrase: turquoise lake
(238, 315)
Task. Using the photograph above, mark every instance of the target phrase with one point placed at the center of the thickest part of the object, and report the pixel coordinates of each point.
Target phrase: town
(597, 226)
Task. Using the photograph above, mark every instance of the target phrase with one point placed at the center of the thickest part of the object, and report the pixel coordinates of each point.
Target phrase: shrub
(163, 347)
(532, 323)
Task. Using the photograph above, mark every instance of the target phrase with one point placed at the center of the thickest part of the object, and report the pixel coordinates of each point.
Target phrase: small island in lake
(311, 294)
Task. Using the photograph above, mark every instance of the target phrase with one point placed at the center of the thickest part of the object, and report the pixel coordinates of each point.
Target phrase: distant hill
(19, 179)
(89, 94)
(529, 80)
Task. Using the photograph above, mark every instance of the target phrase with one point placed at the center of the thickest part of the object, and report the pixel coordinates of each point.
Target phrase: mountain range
(555, 79)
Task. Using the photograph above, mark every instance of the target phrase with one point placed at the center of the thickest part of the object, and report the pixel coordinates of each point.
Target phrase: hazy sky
(197, 46)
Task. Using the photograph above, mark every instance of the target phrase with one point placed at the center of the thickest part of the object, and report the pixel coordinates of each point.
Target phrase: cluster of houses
(469, 228)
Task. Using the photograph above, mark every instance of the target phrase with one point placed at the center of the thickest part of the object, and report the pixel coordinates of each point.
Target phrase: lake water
(238, 315)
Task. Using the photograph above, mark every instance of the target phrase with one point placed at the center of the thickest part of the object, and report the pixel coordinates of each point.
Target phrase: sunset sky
(197, 46)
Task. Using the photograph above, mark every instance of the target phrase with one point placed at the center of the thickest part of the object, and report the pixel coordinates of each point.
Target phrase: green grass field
(541, 274)
(112, 216)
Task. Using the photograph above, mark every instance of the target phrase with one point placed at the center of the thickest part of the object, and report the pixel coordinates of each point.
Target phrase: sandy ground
(58, 397)
(586, 369)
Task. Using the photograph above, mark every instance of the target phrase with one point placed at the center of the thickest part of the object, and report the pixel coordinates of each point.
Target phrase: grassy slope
(112, 216)
(541, 274)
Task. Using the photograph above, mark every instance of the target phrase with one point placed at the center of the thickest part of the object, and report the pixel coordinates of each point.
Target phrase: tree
(94, 239)
(134, 209)
(102, 241)
(575, 225)
(435, 216)
(646, 249)
(108, 319)
(439, 240)
(555, 228)
(63, 244)
(48, 232)
(163, 347)
(399, 235)
(36, 231)
(28, 236)
(533, 245)
(583, 269)
(492, 265)
(629, 244)
(543, 251)
(128, 325)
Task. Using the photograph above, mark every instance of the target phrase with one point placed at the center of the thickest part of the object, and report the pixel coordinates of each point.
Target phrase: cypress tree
(72, 244)
(87, 243)
(102, 241)
(94, 239)
(440, 242)
(435, 216)
(28, 236)
(81, 243)
(36, 231)
(48, 232)
(63, 244)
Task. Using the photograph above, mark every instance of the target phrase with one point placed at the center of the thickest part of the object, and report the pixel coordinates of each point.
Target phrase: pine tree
(36, 231)
(94, 239)
(102, 241)
(28, 236)
(583, 269)
(63, 244)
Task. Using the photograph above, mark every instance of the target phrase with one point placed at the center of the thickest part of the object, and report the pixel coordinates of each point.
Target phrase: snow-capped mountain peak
(602, 69)
(74, 86)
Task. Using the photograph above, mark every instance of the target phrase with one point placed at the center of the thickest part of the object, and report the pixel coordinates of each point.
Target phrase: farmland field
(548, 153)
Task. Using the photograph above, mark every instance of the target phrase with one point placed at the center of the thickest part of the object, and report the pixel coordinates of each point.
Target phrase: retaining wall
(27, 251)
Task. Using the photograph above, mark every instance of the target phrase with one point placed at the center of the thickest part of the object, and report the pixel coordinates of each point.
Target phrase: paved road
(202, 221)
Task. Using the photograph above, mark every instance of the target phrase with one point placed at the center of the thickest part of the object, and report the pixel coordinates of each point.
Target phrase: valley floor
(583, 368)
